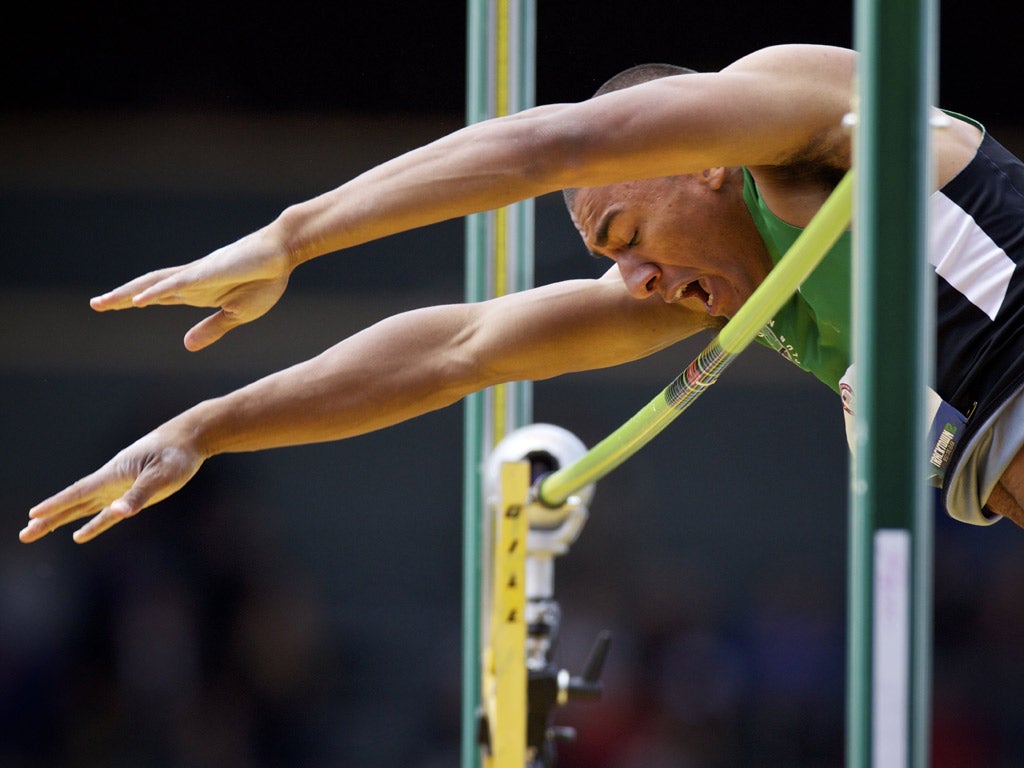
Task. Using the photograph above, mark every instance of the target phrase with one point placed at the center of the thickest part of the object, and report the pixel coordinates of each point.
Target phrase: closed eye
(635, 239)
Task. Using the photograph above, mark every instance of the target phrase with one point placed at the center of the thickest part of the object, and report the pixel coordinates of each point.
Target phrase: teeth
(683, 289)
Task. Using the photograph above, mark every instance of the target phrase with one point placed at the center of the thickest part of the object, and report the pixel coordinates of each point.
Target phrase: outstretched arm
(764, 110)
(402, 367)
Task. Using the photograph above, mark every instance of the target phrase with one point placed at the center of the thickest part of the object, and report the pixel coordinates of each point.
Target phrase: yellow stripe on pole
(498, 417)
(501, 60)
(499, 420)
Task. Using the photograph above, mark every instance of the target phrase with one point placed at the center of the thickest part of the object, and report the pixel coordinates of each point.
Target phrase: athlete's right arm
(399, 368)
(767, 109)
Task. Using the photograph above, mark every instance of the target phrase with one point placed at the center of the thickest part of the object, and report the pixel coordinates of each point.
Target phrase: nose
(641, 277)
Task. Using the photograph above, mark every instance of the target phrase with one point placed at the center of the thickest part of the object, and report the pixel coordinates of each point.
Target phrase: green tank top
(812, 330)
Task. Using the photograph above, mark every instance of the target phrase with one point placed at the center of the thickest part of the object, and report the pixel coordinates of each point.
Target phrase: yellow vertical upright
(504, 665)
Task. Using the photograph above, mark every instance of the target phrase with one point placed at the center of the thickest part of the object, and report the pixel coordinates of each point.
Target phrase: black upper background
(410, 57)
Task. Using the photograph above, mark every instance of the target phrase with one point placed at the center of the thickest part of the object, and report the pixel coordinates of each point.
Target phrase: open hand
(144, 473)
(244, 280)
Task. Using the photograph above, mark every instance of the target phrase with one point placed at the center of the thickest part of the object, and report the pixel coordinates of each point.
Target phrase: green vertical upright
(500, 60)
(889, 657)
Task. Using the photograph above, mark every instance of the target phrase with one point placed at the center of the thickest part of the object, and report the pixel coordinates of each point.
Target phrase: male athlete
(692, 185)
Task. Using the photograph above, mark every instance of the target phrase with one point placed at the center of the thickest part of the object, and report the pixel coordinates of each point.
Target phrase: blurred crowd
(212, 648)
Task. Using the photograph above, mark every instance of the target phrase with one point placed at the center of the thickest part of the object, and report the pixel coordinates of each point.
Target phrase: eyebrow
(601, 236)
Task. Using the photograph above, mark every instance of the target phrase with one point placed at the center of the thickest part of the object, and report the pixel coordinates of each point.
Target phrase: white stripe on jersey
(966, 257)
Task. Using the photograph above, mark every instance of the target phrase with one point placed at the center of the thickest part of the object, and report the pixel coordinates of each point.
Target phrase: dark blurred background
(301, 607)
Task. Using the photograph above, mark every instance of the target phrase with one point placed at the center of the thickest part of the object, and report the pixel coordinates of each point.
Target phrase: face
(686, 238)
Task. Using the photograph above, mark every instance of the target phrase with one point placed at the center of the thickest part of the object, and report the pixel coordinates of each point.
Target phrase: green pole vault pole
(889, 620)
(500, 56)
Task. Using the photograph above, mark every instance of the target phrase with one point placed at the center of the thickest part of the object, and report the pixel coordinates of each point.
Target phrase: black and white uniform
(976, 247)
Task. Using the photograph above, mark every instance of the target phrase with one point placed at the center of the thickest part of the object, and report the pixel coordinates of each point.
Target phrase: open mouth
(694, 290)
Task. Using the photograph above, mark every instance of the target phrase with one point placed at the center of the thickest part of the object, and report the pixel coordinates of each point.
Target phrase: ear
(714, 177)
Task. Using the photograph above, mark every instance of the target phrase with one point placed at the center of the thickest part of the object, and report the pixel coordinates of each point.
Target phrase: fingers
(42, 521)
(108, 494)
(117, 511)
(109, 516)
(206, 332)
(34, 531)
(83, 498)
(169, 290)
(143, 474)
(124, 297)
(166, 287)
(237, 308)
(86, 497)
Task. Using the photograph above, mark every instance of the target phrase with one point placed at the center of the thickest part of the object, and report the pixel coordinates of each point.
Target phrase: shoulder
(796, 58)
(813, 86)
(776, 107)
(792, 100)
(816, 85)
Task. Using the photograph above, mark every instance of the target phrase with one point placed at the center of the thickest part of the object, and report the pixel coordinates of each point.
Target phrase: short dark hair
(640, 73)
